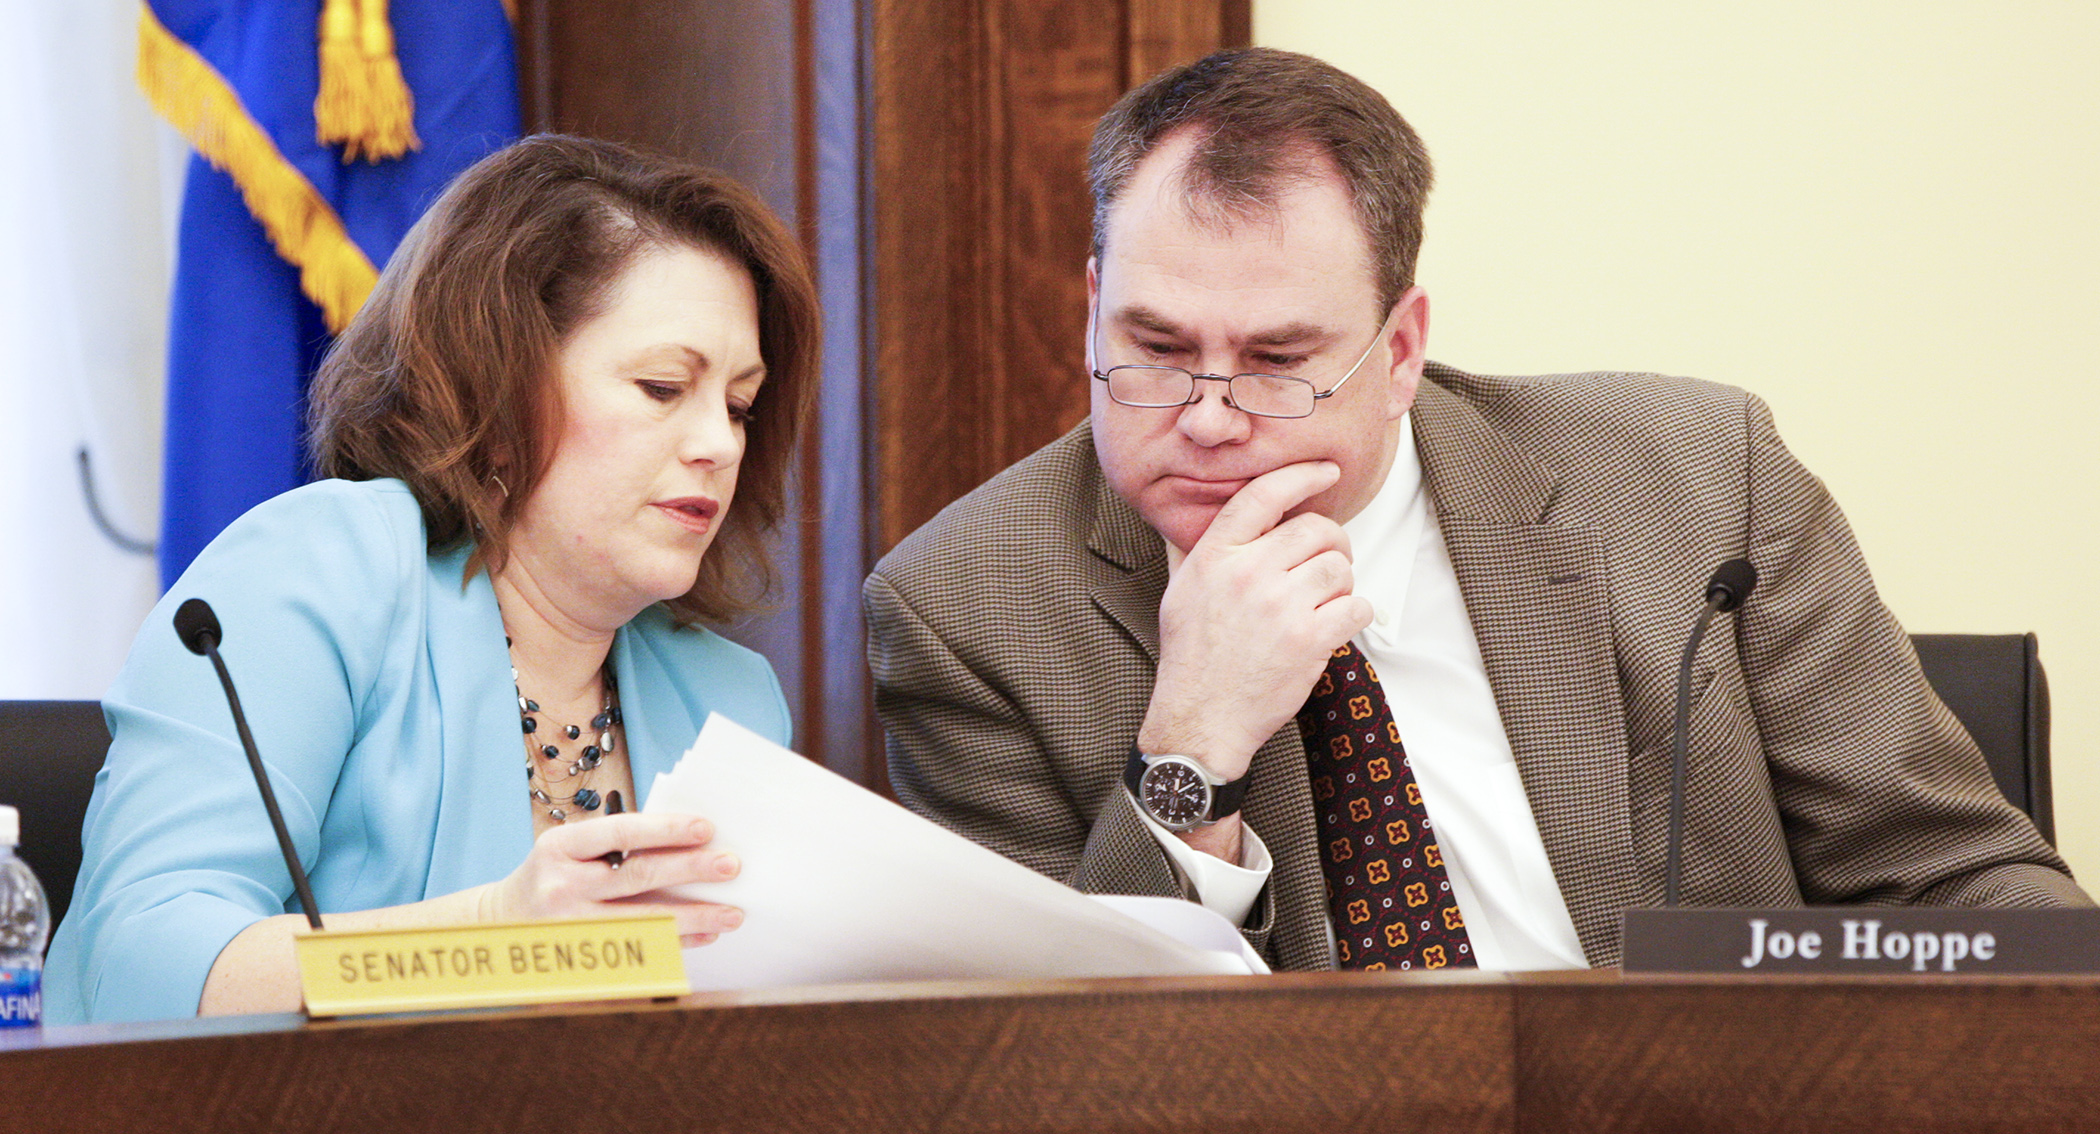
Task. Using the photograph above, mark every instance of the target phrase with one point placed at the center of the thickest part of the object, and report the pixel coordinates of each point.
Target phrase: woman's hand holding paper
(567, 875)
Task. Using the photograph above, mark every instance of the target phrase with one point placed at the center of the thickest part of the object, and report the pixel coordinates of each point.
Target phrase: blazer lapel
(1135, 561)
(484, 823)
(1538, 595)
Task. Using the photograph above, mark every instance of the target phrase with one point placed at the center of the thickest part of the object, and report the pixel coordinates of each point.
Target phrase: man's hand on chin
(1251, 614)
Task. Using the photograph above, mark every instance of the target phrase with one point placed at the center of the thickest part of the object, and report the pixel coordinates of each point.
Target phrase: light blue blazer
(379, 692)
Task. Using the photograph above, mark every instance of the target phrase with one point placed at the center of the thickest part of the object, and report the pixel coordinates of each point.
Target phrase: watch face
(1176, 794)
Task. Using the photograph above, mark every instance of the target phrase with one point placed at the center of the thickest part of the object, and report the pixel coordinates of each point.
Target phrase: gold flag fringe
(363, 103)
(333, 271)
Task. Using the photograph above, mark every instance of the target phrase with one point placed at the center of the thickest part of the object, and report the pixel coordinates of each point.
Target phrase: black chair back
(49, 754)
(1995, 685)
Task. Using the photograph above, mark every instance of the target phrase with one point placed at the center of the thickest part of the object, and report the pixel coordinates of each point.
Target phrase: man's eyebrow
(1146, 319)
(1290, 334)
(1287, 334)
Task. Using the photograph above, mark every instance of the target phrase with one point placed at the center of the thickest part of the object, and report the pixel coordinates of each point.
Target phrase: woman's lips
(694, 513)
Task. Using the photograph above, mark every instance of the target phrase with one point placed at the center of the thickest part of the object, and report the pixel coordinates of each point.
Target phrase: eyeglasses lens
(1165, 386)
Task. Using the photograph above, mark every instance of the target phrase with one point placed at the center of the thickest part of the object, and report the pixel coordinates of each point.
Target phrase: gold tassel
(333, 271)
(393, 108)
(339, 103)
(363, 103)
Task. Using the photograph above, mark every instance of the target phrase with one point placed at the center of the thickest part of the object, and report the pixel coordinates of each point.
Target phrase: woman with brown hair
(569, 370)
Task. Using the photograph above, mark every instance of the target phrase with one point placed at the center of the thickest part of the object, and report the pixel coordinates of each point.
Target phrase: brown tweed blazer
(1013, 641)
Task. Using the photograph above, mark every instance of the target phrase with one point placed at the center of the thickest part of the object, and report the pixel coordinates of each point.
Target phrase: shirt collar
(1386, 537)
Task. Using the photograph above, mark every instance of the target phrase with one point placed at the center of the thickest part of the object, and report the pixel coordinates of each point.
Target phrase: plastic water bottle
(25, 923)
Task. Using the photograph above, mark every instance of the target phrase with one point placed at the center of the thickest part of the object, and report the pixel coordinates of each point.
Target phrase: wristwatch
(1178, 793)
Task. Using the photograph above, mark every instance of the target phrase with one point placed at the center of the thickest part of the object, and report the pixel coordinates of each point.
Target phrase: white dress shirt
(1421, 642)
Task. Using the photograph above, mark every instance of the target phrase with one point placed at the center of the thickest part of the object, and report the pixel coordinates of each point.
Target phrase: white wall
(85, 256)
(1883, 217)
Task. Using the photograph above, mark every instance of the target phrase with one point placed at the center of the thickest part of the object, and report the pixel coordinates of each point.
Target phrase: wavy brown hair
(446, 378)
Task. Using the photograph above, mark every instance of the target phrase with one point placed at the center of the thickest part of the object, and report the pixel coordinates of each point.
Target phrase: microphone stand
(199, 628)
(1732, 582)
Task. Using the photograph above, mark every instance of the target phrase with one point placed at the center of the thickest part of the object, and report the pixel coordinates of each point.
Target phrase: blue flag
(281, 231)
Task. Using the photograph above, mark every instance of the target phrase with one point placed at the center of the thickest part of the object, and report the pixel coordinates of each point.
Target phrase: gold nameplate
(349, 973)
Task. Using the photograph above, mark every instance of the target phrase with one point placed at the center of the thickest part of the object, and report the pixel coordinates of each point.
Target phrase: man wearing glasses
(1375, 657)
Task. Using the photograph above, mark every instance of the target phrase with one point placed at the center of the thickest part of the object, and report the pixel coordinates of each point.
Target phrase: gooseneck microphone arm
(1732, 582)
(199, 630)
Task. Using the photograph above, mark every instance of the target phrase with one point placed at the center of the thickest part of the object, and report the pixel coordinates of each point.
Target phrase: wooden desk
(1328, 1053)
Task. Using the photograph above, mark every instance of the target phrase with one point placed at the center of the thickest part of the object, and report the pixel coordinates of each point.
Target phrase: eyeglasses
(1263, 395)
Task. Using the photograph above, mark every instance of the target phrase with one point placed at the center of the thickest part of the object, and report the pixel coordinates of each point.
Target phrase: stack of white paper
(840, 884)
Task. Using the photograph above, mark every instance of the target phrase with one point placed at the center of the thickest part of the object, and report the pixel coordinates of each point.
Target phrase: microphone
(197, 626)
(1731, 584)
(199, 630)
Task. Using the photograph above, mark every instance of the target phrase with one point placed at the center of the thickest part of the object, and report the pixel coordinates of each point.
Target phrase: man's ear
(1093, 305)
(1407, 338)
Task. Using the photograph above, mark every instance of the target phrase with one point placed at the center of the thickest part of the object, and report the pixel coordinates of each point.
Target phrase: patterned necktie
(1387, 890)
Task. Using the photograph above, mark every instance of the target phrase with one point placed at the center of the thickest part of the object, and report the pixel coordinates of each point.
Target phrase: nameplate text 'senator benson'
(348, 973)
(1862, 940)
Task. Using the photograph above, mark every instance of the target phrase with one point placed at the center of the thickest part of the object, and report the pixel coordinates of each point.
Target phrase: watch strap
(1226, 799)
(1134, 770)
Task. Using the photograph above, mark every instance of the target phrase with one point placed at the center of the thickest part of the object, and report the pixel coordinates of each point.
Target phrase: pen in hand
(613, 806)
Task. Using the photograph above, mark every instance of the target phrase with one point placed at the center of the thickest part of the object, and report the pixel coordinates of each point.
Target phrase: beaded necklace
(549, 770)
